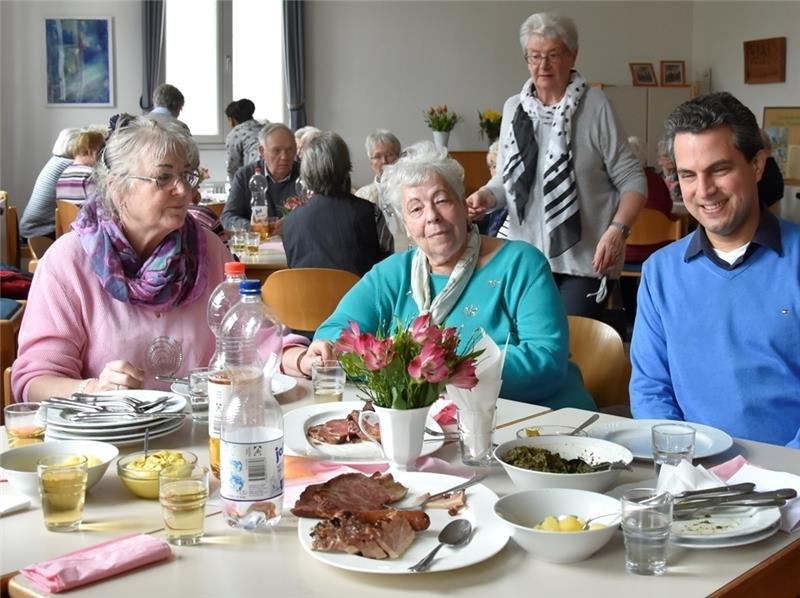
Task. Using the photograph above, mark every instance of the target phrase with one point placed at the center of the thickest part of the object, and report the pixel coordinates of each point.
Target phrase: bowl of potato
(550, 523)
(578, 462)
(19, 464)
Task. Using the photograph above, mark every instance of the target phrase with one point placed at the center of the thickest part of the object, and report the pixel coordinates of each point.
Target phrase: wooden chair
(9, 330)
(476, 172)
(217, 208)
(66, 212)
(651, 227)
(597, 350)
(303, 298)
(11, 233)
(7, 397)
(38, 245)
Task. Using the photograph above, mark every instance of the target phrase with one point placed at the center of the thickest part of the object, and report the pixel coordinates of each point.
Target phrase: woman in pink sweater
(135, 268)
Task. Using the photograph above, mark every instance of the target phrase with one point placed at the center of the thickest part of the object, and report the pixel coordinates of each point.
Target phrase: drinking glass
(328, 379)
(164, 356)
(646, 520)
(183, 492)
(238, 243)
(62, 487)
(26, 423)
(672, 443)
(198, 392)
(252, 243)
(271, 227)
(475, 436)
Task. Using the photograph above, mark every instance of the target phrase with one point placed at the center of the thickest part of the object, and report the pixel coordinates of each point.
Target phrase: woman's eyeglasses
(169, 180)
(552, 58)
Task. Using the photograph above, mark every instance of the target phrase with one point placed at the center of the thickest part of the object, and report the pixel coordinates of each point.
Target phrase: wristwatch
(626, 231)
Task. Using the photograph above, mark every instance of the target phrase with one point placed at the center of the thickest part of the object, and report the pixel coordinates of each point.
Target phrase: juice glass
(183, 492)
(62, 487)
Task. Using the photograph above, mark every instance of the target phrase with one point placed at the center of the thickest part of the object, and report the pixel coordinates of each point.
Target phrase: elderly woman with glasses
(134, 269)
(565, 172)
(464, 280)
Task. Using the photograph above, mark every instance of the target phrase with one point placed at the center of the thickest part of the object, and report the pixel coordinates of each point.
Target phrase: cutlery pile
(693, 503)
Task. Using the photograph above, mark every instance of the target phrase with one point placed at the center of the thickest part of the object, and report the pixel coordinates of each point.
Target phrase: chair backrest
(10, 251)
(217, 208)
(303, 298)
(597, 350)
(66, 212)
(653, 227)
(9, 330)
(7, 396)
(38, 245)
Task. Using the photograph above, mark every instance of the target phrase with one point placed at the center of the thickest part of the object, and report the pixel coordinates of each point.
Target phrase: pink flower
(377, 354)
(348, 339)
(449, 340)
(464, 375)
(429, 364)
(423, 330)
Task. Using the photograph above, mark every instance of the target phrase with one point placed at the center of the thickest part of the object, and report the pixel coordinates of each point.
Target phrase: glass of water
(328, 379)
(198, 392)
(646, 520)
(672, 443)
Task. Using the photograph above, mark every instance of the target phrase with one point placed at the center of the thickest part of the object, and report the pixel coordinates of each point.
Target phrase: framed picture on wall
(765, 60)
(643, 74)
(673, 73)
(79, 61)
(783, 127)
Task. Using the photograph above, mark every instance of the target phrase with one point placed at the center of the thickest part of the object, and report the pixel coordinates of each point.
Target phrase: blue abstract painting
(79, 62)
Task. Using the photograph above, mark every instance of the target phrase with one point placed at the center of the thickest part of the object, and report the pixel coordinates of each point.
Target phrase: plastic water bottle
(225, 296)
(259, 208)
(251, 448)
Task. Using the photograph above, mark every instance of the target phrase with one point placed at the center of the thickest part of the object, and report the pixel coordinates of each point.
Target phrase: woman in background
(76, 183)
(241, 143)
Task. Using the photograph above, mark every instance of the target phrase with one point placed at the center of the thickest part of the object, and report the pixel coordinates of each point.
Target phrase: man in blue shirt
(717, 333)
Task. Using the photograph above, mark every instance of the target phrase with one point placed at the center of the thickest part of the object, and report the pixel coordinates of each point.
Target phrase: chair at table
(38, 245)
(66, 212)
(9, 330)
(303, 298)
(217, 207)
(597, 349)
(11, 232)
(651, 228)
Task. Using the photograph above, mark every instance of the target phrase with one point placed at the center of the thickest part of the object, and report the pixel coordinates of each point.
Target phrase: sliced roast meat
(348, 492)
(377, 537)
(335, 431)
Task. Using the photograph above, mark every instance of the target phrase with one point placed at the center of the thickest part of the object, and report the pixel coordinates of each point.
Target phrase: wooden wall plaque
(765, 60)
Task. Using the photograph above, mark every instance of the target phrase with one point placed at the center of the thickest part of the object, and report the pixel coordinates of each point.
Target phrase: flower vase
(402, 432)
(441, 138)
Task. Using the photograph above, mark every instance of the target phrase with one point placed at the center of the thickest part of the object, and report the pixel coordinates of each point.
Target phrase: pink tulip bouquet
(409, 369)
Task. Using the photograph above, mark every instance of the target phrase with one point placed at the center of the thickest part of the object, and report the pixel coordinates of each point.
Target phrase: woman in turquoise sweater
(464, 280)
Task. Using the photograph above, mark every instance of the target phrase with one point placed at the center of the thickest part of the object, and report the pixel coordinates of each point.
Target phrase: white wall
(28, 126)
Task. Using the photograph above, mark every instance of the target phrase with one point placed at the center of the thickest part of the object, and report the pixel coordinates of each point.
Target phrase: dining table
(231, 562)
(271, 257)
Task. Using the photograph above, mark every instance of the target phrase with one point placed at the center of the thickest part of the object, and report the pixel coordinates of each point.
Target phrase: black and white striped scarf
(561, 215)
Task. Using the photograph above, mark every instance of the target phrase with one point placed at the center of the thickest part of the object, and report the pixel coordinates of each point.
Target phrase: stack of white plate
(121, 430)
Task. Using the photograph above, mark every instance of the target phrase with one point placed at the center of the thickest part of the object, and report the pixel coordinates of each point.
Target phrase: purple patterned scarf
(175, 273)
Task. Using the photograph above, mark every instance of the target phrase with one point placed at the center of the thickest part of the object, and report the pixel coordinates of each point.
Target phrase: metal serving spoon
(454, 533)
(585, 424)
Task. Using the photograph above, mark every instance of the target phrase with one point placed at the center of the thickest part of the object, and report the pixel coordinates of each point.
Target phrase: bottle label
(251, 471)
(218, 395)
(259, 214)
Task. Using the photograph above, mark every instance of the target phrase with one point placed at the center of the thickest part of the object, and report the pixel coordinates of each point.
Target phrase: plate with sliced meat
(330, 431)
(392, 538)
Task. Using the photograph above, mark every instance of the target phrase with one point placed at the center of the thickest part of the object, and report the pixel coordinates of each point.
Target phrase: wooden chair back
(303, 298)
(38, 245)
(66, 212)
(217, 208)
(9, 330)
(597, 350)
(476, 172)
(11, 233)
(653, 227)
(7, 396)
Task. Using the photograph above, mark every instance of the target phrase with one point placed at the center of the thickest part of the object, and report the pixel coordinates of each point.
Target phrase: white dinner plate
(635, 434)
(489, 535)
(167, 428)
(712, 542)
(176, 404)
(296, 422)
(280, 384)
(724, 525)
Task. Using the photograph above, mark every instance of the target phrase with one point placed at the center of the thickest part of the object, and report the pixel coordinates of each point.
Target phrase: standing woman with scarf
(464, 280)
(566, 174)
(133, 269)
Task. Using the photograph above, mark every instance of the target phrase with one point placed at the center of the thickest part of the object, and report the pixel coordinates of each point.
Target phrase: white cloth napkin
(765, 480)
(682, 477)
(476, 407)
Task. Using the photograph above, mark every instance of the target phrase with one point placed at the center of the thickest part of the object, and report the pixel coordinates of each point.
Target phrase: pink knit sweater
(73, 328)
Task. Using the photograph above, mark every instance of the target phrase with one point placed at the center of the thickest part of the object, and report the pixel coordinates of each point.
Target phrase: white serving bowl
(523, 510)
(591, 450)
(19, 464)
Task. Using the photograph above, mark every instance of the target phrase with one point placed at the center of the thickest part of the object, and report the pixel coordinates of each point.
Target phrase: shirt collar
(768, 234)
(292, 173)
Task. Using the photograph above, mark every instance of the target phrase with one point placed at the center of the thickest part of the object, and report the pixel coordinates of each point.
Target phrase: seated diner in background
(464, 280)
(716, 334)
(278, 150)
(76, 183)
(334, 229)
(133, 269)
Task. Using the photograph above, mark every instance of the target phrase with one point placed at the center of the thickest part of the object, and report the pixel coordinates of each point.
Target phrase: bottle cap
(250, 287)
(234, 268)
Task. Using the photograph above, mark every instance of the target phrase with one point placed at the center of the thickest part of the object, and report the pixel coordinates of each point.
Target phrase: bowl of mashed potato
(139, 471)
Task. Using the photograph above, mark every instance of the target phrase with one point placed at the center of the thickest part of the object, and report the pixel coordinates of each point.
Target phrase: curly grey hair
(551, 25)
(417, 165)
(141, 142)
(381, 137)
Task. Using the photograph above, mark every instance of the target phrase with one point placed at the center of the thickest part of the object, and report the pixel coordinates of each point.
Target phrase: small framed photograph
(673, 73)
(643, 74)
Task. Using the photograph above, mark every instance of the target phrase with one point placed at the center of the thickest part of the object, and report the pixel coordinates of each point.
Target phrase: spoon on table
(454, 533)
(585, 424)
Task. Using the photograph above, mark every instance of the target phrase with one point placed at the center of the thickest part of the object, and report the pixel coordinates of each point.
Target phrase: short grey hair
(417, 165)
(141, 142)
(169, 97)
(269, 129)
(65, 143)
(382, 137)
(325, 167)
(551, 25)
(303, 131)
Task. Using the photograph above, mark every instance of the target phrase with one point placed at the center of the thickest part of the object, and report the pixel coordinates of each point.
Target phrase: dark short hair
(711, 111)
(240, 110)
(325, 167)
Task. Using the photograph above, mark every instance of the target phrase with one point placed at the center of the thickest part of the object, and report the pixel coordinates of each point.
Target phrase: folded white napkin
(765, 480)
(11, 502)
(684, 476)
